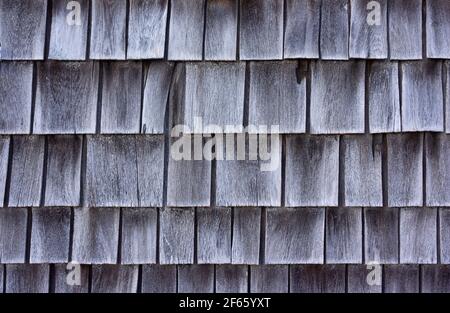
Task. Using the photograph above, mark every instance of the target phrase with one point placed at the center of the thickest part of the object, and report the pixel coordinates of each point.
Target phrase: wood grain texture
(337, 97)
(2, 268)
(22, 29)
(401, 278)
(214, 235)
(246, 236)
(381, 235)
(437, 151)
(404, 170)
(422, 98)
(68, 39)
(418, 236)
(444, 235)
(159, 278)
(435, 279)
(121, 97)
(15, 92)
(66, 98)
(312, 171)
(282, 103)
(302, 29)
(139, 236)
(176, 236)
(261, 30)
(4, 155)
(147, 29)
(294, 236)
(244, 183)
(405, 29)
(114, 279)
(447, 98)
(66, 278)
(221, 30)
(186, 27)
(269, 279)
(438, 29)
(62, 186)
(317, 279)
(343, 235)
(13, 235)
(50, 233)
(334, 29)
(231, 278)
(368, 40)
(158, 77)
(118, 171)
(95, 235)
(108, 29)
(362, 170)
(27, 278)
(26, 171)
(384, 97)
(195, 278)
(359, 279)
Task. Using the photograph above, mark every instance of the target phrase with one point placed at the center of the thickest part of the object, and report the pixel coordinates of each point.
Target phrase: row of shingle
(323, 97)
(223, 29)
(227, 279)
(402, 170)
(225, 235)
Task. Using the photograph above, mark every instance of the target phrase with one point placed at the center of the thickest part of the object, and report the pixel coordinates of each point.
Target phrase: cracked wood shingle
(16, 94)
(435, 279)
(108, 29)
(214, 235)
(317, 278)
(302, 28)
(246, 236)
(114, 279)
(13, 235)
(159, 278)
(437, 180)
(22, 29)
(231, 278)
(362, 170)
(343, 236)
(337, 97)
(186, 27)
(404, 169)
(139, 236)
(368, 31)
(381, 235)
(50, 233)
(66, 97)
(418, 236)
(67, 273)
(69, 30)
(118, 171)
(334, 29)
(95, 235)
(384, 97)
(27, 278)
(294, 235)
(4, 155)
(312, 171)
(261, 30)
(277, 96)
(121, 97)
(438, 29)
(26, 171)
(444, 235)
(359, 277)
(422, 96)
(176, 239)
(63, 178)
(269, 278)
(400, 278)
(147, 29)
(405, 29)
(195, 278)
(221, 30)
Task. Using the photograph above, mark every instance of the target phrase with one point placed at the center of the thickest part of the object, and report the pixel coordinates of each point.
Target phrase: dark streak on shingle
(4, 156)
(317, 278)
(13, 232)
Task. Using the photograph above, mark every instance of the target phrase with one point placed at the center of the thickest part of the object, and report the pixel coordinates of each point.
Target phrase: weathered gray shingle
(317, 279)
(294, 236)
(438, 29)
(27, 278)
(159, 278)
(69, 278)
(22, 29)
(147, 29)
(50, 235)
(114, 279)
(337, 97)
(196, 278)
(246, 235)
(261, 30)
(13, 235)
(4, 155)
(269, 278)
(66, 97)
(435, 279)
(401, 278)
(16, 94)
(69, 30)
(444, 235)
(363, 279)
(437, 150)
(334, 29)
(447, 97)
(231, 278)
(312, 170)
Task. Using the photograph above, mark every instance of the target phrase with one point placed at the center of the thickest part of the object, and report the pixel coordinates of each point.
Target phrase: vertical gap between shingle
(400, 91)
(127, 15)
(420, 278)
(157, 233)
(424, 170)
(366, 97)
(51, 285)
(176, 278)
(44, 173)
(398, 234)
(283, 170)
(424, 32)
(195, 237)
(384, 171)
(383, 278)
(214, 279)
(28, 238)
(444, 93)
(388, 37)
(71, 230)
(8, 172)
(349, 25)
(4, 278)
(341, 188)
(284, 28)
(249, 278)
(33, 96)
(213, 176)
(262, 240)
(320, 31)
(89, 278)
(48, 27)
(246, 93)
(89, 26)
(438, 237)
(325, 236)
(205, 10)
(363, 228)
(308, 98)
(99, 99)
(144, 73)
(83, 200)
(289, 279)
(346, 278)
(166, 42)
(119, 241)
(231, 234)
(238, 29)
(139, 282)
